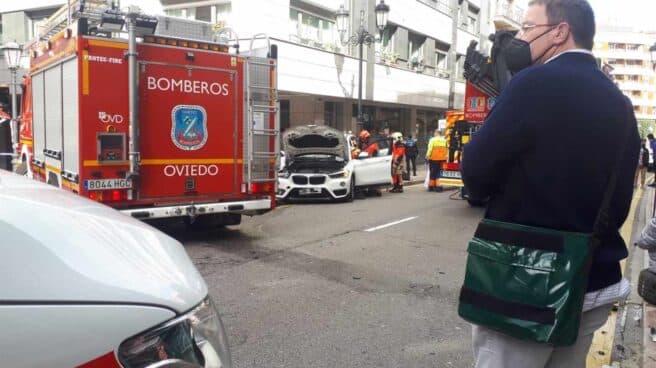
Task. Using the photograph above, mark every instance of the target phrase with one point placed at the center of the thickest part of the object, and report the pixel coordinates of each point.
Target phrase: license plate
(308, 191)
(107, 184)
(451, 174)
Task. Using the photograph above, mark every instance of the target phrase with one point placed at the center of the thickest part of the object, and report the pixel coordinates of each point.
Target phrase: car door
(375, 170)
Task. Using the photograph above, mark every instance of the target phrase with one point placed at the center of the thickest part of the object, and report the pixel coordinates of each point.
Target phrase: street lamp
(360, 38)
(12, 53)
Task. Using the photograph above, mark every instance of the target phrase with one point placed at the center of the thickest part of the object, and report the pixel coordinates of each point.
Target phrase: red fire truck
(166, 122)
(486, 76)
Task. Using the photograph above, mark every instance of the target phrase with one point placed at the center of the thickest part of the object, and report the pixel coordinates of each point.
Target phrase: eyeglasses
(527, 27)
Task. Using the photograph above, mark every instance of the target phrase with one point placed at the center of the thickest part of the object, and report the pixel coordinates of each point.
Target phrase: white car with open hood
(86, 286)
(318, 165)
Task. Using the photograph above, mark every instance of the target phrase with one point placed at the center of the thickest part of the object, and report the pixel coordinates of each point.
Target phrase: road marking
(391, 224)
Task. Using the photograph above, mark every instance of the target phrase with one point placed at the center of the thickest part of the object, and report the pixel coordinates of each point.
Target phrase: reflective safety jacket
(398, 154)
(437, 150)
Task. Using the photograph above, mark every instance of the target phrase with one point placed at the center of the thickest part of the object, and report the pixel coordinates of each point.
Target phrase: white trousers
(495, 350)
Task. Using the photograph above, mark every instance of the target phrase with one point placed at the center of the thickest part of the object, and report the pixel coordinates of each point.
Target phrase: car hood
(60, 247)
(314, 139)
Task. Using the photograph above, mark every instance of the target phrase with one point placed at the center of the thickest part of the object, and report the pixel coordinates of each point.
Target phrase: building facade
(21, 25)
(626, 53)
(405, 75)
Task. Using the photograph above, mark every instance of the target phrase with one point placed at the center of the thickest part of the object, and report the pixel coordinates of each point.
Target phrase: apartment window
(441, 60)
(312, 28)
(209, 13)
(222, 12)
(472, 20)
(460, 67)
(180, 13)
(441, 56)
(632, 47)
(36, 26)
(416, 47)
(204, 13)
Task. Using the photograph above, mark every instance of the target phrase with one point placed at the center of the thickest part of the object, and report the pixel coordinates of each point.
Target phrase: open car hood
(314, 139)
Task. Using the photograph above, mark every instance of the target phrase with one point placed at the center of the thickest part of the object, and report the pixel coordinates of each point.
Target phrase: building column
(412, 128)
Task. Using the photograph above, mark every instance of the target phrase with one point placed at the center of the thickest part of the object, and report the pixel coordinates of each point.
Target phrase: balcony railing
(509, 12)
(441, 5)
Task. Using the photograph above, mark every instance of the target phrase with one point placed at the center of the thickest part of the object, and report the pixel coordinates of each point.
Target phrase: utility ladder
(263, 144)
(68, 13)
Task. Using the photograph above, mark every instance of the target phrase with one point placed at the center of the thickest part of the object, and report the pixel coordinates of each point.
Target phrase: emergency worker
(436, 155)
(355, 149)
(366, 145)
(398, 162)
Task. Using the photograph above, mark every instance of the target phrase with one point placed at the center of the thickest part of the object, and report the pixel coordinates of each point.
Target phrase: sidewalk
(421, 174)
(628, 342)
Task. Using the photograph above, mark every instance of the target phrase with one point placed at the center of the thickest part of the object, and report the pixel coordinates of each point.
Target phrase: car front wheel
(351, 195)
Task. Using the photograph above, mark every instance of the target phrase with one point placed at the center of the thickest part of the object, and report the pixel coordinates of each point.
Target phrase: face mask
(518, 53)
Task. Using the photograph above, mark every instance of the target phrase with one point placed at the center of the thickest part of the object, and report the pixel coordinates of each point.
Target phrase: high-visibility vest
(437, 150)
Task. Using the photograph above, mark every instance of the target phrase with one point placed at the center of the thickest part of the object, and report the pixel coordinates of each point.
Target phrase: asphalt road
(308, 286)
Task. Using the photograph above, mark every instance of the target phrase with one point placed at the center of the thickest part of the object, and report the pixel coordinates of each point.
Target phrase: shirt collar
(581, 51)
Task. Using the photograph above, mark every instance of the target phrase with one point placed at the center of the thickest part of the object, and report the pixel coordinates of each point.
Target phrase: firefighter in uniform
(398, 162)
(436, 155)
(365, 145)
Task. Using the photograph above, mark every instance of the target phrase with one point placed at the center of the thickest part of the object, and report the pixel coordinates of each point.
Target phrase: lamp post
(360, 38)
(12, 53)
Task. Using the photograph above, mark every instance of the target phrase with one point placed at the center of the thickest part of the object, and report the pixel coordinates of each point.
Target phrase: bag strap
(602, 222)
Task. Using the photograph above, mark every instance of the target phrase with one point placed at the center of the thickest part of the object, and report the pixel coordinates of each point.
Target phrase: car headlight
(341, 174)
(284, 174)
(196, 339)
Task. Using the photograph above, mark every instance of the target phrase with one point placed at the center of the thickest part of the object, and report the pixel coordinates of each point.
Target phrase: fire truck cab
(166, 120)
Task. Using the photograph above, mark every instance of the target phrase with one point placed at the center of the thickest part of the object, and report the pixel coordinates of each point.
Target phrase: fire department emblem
(189, 127)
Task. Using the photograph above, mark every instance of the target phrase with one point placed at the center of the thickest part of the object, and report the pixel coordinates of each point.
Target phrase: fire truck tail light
(96, 196)
(451, 166)
(116, 195)
(261, 188)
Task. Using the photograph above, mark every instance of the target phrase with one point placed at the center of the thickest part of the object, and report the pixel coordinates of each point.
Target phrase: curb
(648, 310)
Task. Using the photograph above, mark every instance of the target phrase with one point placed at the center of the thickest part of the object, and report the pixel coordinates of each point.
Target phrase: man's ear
(563, 32)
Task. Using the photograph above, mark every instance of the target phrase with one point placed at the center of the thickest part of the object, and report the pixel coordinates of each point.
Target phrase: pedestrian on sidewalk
(557, 87)
(398, 162)
(411, 153)
(643, 164)
(436, 155)
(652, 145)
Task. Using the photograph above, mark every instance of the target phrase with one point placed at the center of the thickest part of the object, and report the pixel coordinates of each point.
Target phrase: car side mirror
(363, 155)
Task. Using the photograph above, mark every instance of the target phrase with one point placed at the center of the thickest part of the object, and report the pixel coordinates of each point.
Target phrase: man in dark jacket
(537, 159)
(411, 153)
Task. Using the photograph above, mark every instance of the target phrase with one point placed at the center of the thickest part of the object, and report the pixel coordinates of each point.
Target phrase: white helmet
(397, 136)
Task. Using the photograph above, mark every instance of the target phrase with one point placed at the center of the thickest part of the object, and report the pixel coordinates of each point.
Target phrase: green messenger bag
(527, 282)
(530, 282)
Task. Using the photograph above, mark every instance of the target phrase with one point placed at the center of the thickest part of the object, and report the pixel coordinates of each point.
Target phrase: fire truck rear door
(189, 132)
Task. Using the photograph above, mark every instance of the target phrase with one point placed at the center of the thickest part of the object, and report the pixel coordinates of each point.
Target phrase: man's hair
(650, 136)
(577, 13)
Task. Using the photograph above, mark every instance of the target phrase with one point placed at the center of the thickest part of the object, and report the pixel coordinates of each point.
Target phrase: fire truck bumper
(252, 207)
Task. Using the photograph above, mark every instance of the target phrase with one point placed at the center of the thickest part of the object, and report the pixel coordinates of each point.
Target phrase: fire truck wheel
(351, 196)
